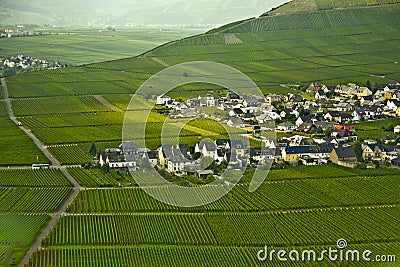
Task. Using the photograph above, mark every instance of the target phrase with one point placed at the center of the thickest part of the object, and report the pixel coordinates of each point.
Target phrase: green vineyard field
(33, 178)
(24, 199)
(273, 196)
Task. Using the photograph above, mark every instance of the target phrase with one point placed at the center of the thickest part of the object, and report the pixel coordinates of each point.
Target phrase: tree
(390, 128)
(377, 86)
(105, 168)
(197, 155)
(368, 85)
(358, 150)
(93, 150)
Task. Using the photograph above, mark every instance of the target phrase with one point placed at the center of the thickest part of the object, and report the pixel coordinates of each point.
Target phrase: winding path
(55, 164)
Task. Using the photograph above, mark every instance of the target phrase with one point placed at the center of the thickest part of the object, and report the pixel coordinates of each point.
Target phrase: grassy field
(83, 46)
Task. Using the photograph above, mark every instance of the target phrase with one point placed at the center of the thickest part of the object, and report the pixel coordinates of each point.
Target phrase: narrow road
(55, 164)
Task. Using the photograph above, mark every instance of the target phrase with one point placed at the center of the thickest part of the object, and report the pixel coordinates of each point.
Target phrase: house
(344, 156)
(233, 97)
(398, 112)
(307, 127)
(350, 127)
(208, 101)
(273, 98)
(397, 129)
(344, 134)
(320, 94)
(261, 155)
(358, 115)
(351, 90)
(387, 139)
(396, 162)
(366, 100)
(174, 157)
(291, 153)
(238, 148)
(264, 118)
(316, 86)
(374, 152)
(332, 116)
(286, 127)
(344, 107)
(372, 112)
(323, 125)
(128, 155)
(235, 122)
(393, 104)
(345, 118)
(253, 101)
(207, 149)
(236, 112)
(163, 99)
(303, 119)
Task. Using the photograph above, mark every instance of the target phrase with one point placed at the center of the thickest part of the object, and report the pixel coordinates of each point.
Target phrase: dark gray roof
(210, 146)
(297, 149)
(345, 152)
(176, 153)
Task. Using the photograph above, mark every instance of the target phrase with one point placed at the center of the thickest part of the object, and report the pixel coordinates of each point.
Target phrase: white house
(208, 101)
(163, 99)
(235, 122)
(393, 104)
(207, 149)
(397, 129)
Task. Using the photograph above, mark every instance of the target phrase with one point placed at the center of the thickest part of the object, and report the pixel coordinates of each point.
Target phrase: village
(309, 132)
(25, 63)
(19, 31)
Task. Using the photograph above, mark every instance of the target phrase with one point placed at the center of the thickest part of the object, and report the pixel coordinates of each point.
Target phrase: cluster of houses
(320, 131)
(178, 159)
(19, 31)
(26, 62)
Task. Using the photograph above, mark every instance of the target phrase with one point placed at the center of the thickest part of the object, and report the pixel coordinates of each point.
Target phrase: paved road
(55, 164)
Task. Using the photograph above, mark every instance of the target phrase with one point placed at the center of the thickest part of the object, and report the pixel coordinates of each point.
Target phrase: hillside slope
(121, 12)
